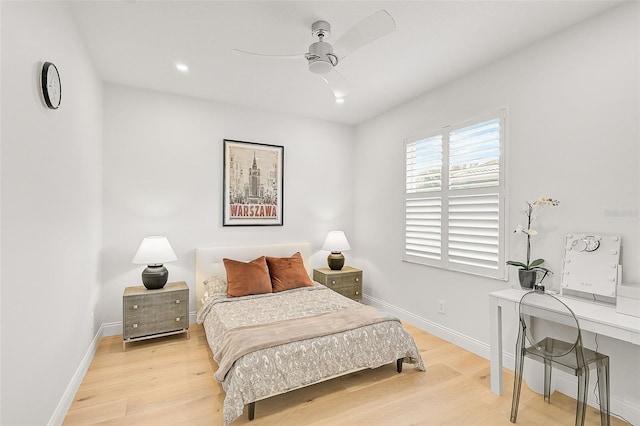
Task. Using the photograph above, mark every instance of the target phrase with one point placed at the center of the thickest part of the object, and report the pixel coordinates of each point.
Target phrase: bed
(272, 343)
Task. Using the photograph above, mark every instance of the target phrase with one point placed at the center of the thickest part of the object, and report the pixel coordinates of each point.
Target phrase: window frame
(445, 195)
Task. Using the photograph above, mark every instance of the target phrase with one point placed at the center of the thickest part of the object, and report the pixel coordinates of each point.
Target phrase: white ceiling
(137, 43)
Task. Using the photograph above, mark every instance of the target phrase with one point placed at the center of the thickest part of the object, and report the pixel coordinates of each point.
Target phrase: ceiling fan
(323, 58)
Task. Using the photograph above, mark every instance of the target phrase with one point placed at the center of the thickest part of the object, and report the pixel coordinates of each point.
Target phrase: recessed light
(339, 101)
(182, 67)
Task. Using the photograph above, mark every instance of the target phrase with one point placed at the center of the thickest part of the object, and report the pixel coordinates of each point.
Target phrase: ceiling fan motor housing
(321, 29)
(321, 58)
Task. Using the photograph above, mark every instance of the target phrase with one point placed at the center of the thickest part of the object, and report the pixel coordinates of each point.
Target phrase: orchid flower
(532, 265)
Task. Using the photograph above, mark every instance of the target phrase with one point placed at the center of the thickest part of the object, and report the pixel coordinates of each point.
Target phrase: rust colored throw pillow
(288, 273)
(245, 278)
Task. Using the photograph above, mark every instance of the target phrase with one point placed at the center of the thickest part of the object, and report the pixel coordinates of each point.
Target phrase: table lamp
(336, 242)
(153, 252)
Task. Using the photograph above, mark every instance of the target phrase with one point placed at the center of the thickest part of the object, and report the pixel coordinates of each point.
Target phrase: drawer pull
(357, 279)
(357, 293)
(178, 319)
(333, 281)
(135, 306)
(178, 301)
(135, 325)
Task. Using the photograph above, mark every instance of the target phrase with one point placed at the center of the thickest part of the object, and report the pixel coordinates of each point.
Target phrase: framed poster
(253, 184)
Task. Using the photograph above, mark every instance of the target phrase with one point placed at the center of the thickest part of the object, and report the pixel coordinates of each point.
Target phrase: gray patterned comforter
(272, 371)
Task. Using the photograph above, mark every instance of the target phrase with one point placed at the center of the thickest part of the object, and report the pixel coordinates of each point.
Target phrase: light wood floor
(169, 381)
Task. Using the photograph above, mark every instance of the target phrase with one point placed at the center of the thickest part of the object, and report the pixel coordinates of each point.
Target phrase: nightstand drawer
(145, 326)
(347, 281)
(344, 280)
(141, 305)
(351, 291)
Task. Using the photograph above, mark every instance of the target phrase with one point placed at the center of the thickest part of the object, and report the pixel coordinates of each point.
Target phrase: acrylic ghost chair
(549, 331)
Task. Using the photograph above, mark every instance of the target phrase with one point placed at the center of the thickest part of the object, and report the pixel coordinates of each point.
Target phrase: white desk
(600, 319)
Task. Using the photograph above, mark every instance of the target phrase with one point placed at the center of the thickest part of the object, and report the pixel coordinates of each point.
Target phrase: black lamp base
(155, 277)
(336, 261)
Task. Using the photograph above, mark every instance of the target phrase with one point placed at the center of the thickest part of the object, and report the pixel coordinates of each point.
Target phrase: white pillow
(216, 285)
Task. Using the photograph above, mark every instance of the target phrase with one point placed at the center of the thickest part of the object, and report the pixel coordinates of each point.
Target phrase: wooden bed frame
(209, 263)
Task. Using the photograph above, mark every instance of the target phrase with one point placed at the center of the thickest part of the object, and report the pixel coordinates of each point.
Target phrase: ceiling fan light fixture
(320, 66)
(321, 58)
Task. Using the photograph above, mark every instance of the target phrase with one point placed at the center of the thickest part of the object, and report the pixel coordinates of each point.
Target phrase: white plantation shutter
(474, 231)
(454, 219)
(423, 217)
(423, 228)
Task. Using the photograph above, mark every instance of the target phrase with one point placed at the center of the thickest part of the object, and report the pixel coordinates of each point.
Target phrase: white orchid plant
(529, 232)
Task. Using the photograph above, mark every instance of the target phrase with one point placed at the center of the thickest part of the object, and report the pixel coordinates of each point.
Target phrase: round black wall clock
(51, 86)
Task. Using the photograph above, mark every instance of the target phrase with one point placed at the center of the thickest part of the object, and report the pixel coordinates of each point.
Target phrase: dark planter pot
(527, 278)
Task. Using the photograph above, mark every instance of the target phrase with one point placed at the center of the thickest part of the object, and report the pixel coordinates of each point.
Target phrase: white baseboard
(619, 406)
(112, 328)
(472, 345)
(107, 329)
(565, 383)
(72, 388)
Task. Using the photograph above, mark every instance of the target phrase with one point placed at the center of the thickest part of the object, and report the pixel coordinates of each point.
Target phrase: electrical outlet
(441, 307)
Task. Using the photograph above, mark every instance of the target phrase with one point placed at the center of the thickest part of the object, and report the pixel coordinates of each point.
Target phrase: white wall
(163, 171)
(573, 135)
(51, 211)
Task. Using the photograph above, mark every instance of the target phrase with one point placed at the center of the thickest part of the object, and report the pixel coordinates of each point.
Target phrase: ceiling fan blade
(337, 83)
(369, 29)
(262, 55)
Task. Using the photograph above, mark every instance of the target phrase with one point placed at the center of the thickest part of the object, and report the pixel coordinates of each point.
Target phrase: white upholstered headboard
(209, 259)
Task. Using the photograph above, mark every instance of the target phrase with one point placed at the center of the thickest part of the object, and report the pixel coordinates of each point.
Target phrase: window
(455, 198)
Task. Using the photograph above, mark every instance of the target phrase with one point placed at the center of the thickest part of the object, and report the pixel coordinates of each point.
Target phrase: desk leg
(495, 335)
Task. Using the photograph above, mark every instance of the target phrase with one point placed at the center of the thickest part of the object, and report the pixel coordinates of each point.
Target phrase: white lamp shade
(336, 242)
(154, 251)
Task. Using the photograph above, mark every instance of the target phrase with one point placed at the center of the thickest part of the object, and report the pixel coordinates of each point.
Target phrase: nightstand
(147, 314)
(347, 281)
